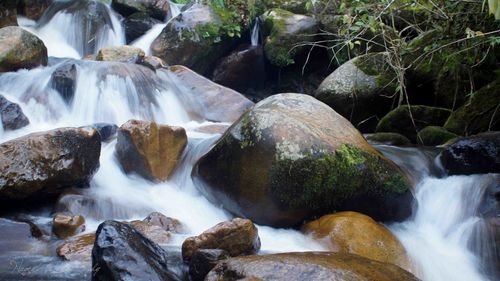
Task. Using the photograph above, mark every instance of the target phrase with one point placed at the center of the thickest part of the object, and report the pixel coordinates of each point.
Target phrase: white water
(254, 39)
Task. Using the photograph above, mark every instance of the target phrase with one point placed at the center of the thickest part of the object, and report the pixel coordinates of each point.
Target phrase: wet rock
(122, 253)
(307, 266)
(126, 54)
(360, 89)
(20, 49)
(154, 232)
(212, 129)
(8, 13)
(137, 25)
(180, 43)
(489, 207)
(242, 70)
(153, 63)
(63, 80)
(157, 9)
(149, 149)
(207, 100)
(16, 236)
(203, 261)
(12, 115)
(166, 223)
(286, 30)
(477, 154)
(107, 131)
(43, 164)
(64, 226)
(400, 121)
(237, 237)
(291, 157)
(388, 139)
(78, 248)
(355, 233)
(33, 9)
(434, 135)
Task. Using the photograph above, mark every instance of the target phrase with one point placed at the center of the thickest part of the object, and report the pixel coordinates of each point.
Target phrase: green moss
(434, 135)
(323, 182)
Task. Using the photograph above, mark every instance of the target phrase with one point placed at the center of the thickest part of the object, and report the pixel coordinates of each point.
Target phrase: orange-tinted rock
(64, 226)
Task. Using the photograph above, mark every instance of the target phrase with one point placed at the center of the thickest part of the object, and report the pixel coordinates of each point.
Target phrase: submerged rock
(126, 54)
(12, 115)
(157, 9)
(64, 225)
(313, 266)
(42, 164)
(20, 49)
(355, 233)
(122, 253)
(237, 237)
(149, 149)
(206, 99)
(479, 154)
(291, 157)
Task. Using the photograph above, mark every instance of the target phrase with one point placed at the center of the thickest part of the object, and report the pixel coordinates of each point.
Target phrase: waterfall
(255, 37)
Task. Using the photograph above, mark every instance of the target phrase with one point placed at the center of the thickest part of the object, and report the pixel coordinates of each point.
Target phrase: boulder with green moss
(434, 135)
(289, 35)
(291, 157)
(360, 90)
(408, 120)
(20, 49)
(480, 114)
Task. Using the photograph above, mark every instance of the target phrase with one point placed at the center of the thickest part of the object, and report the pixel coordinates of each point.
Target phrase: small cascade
(255, 36)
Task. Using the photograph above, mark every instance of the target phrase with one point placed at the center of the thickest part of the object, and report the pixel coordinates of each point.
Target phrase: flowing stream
(436, 237)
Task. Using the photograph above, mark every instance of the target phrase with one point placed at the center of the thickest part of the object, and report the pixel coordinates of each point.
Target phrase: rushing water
(435, 237)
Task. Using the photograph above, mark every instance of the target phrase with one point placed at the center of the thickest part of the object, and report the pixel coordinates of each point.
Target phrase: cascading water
(255, 36)
(436, 238)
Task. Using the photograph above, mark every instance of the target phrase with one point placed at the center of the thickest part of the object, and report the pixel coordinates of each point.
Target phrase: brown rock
(126, 54)
(33, 9)
(152, 231)
(64, 226)
(20, 49)
(8, 13)
(78, 248)
(309, 266)
(355, 233)
(149, 149)
(206, 99)
(237, 237)
(166, 223)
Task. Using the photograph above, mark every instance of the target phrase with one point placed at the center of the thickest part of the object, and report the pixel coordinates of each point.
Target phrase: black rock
(203, 261)
(122, 253)
(137, 25)
(107, 131)
(11, 114)
(63, 80)
(479, 154)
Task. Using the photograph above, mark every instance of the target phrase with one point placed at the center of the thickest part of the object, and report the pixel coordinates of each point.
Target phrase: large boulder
(20, 49)
(312, 266)
(360, 90)
(291, 157)
(408, 120)
(122, 253)
(286, 30)
(33, 9)
(237, 237)
(137, 25)
(8, 13)
(355, 233)
(205, 99)
(11, 115)
(149, 149)
(473, 155)
(157, 9)
(42, 164)
(126, 54)
(64, 225)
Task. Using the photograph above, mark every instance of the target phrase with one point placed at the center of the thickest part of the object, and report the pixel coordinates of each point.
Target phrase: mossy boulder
(360, 90)
(480, 114)
(20, 49)
(358, 234)
(286, 31)
(434, 135)
(388, 139)
(291, 157)
(408, 120)
(313, 266)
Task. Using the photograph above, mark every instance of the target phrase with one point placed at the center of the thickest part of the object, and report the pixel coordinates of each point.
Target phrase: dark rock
(206, 100)
(107, 131)
(12, 115)
(64, 226)
(157, 9)
(242, 70)
(137, 25)
(237, 237)
(400, 121)
(20, 49)
(33, 9)
(388, 139)
(473, 155)
(291, 157)
(313, 266)
(63, 80)
(434, 135)
(203, 261)
(122, 253)
(43, 164)
(149, 149)
(8, 13)
(489, 207)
